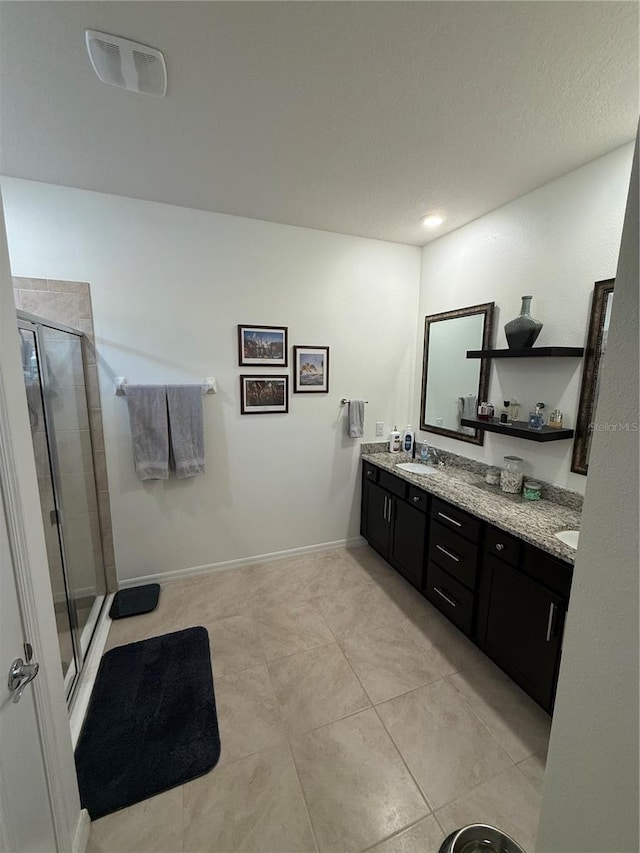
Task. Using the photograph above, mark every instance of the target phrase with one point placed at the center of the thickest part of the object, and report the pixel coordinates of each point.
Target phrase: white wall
(169, 286)
(590, 797)
(553, 243)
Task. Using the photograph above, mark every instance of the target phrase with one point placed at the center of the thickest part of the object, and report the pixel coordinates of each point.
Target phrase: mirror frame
(592, 356)
(486, 308)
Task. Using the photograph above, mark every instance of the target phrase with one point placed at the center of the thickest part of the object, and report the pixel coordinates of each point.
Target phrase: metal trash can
(479, 838)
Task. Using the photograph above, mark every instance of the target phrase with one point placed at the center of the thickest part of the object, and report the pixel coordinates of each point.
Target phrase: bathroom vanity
(489, 562)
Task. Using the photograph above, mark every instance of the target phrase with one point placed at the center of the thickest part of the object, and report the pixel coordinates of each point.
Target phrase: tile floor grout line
(482, 722)
(423, 793)
(295, 767)
(398, 832)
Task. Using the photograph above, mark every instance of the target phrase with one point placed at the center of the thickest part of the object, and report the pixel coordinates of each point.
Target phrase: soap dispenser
(394, 440)
(408, 437)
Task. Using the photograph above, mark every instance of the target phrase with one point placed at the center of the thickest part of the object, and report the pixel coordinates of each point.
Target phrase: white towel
(147, 406)
(356, 418)
(186, 428)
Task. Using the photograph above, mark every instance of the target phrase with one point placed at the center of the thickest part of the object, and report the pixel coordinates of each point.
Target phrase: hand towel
(467, 409)
(147, 406)
(186, 429)
(356, 418)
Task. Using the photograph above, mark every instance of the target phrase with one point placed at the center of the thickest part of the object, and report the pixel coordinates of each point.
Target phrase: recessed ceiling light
(433, 220)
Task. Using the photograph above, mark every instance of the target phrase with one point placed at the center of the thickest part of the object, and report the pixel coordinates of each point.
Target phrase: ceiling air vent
(125, 63)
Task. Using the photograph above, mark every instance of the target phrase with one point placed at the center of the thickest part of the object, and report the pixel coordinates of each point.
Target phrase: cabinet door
(376, 526)
(524, 629)
(409, 530)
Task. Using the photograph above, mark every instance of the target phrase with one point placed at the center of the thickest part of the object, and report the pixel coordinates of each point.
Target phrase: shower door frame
(34, 323)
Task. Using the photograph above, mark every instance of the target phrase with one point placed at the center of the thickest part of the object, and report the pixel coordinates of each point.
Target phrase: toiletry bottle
(408, 437)
(555, 419)
(514, 410)
(536, 419)
(424, 453)
(394, 440)
(504, 414)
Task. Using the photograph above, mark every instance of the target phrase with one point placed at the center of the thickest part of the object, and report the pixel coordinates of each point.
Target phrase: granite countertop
(533, 521)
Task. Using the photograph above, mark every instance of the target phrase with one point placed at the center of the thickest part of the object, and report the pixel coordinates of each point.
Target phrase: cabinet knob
(499, 546)
(416, 499)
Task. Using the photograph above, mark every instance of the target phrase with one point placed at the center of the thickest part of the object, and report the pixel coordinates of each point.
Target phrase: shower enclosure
(53, 368)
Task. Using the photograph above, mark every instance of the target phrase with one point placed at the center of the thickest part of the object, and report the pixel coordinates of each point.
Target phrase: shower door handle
(20, 675)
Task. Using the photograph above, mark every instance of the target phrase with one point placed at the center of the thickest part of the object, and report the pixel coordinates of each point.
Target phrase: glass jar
(492, 476)
(532, 490)
(511, 475)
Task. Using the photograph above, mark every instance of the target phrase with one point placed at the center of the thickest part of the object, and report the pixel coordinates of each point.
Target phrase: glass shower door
(35, 403)
(70, 446)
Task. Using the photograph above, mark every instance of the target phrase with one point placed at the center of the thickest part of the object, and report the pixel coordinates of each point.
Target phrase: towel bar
(346, 400)
(209, 386)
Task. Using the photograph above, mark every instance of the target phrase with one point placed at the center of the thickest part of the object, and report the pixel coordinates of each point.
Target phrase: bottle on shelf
(536, 419)
(504, 414)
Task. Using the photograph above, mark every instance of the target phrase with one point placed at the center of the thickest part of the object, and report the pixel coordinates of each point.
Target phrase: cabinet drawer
(450, 597)
(553, 573)
(418, 498)
(455, 519)
(393, 484)
(453, 553)
(370, 472)
(500, 544)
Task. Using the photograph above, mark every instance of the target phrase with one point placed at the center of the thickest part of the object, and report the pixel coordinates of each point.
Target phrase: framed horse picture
(263, 395)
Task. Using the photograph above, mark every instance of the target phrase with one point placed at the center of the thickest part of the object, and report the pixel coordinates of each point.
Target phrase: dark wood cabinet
(375, 526)
(509, 597)
(522, 602)
(409, 533)
(395, 527)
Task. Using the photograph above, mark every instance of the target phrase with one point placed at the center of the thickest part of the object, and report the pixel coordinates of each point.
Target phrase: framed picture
(263, 395)
(262, 346)
(311, 370)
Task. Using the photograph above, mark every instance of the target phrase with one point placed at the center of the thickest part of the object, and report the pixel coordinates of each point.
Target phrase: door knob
(21, 674)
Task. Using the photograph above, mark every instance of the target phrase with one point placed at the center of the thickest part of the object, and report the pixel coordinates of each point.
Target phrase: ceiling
(348, 117)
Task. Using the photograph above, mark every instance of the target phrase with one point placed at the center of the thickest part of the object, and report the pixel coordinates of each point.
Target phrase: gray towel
(356, 418)
(467, 409)
(186, 426)
(149, 431)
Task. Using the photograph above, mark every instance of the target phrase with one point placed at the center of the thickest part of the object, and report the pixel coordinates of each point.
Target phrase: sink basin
(569, 537)
(416, 468)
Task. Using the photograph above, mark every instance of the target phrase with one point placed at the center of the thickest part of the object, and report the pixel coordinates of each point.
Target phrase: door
(408, 547)
(50, 510)
(26, 822)
(377, 521)
(524, 629)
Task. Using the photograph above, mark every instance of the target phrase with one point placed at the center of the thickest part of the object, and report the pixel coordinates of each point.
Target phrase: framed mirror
(452, 384)
(595, 350)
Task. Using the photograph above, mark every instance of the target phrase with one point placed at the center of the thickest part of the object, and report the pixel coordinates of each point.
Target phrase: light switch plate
(379, 429)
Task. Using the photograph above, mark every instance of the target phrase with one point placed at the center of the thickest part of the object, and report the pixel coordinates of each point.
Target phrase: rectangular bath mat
(135, 601)
(151, 724)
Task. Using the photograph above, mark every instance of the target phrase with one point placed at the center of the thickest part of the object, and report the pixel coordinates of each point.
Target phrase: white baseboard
(81, 837)
(175, 574)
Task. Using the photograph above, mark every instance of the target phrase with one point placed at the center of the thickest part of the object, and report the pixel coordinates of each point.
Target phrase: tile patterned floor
(353, 717)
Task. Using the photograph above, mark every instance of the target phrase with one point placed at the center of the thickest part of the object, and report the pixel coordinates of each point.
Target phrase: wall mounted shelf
(519, 429)
(529, 352)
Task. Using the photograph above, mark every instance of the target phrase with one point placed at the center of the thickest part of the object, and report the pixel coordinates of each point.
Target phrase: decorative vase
(523, 331)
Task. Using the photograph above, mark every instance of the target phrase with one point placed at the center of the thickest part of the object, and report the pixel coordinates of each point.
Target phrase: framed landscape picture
(311, 370)
(262, 346)
(263, 395)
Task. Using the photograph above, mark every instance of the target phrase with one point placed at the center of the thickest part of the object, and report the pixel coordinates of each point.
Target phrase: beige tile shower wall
(69, 303)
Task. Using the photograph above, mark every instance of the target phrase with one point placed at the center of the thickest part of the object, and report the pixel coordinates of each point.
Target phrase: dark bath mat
(151, 724)
(135, 601)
